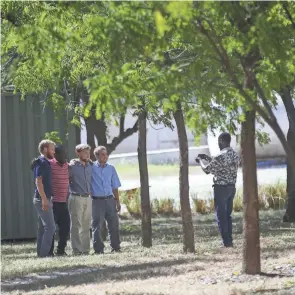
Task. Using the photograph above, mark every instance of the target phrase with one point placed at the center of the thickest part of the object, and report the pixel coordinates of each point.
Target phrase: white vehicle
(271, 151)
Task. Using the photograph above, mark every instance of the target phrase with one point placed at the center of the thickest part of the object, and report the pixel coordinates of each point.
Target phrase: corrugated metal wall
(23, 125)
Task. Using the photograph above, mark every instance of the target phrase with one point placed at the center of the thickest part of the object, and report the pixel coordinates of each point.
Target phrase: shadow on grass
(19, 256)
(169, 231)
(128, 272)
(11, 249)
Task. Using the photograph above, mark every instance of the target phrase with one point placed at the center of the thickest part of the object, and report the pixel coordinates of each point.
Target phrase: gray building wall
(23, 126)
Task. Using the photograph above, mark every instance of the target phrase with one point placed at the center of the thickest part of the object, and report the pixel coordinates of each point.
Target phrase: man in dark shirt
(43, 198)
(224, 167)
(80, 203)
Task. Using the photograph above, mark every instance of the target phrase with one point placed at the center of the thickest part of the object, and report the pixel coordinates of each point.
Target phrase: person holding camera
(224, 167)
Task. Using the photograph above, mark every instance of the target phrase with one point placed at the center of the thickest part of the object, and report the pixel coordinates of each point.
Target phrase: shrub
(273, 196)
(269, 196)
(132, 201)
(238, 203)
(163, 206)
(202, 206)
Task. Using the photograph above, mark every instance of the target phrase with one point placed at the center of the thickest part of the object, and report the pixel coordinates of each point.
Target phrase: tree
(146, 216)
(236, 37)
(251, 247)
(187, 223)
(287, 94)
(58, 76)
(198, 54)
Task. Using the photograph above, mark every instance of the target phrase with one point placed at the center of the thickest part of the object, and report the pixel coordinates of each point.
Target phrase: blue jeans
(105, 209)
(46, 228)
(223, 202)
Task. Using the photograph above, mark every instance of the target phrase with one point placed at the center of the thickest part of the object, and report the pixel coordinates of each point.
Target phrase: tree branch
(285, 6)
(285, 94)
(272, 123)
(118, 139)
(121, 124)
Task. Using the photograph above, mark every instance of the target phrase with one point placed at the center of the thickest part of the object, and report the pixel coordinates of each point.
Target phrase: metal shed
(23, 126)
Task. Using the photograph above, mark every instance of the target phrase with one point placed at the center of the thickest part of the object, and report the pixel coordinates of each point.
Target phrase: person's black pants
(62, 219)
(223, 201)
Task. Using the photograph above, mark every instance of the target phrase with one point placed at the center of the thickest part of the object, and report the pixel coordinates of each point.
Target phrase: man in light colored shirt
(60, 189)
(79, 201)
(224, 167)
(105, 201)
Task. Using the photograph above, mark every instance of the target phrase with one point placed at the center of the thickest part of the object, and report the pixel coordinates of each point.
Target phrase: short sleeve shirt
(104, 180)
(60, 181)
(43, 169)
(224, 167)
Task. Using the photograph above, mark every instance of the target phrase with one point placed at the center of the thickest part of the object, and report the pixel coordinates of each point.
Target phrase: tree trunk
(290, 205)
(187, 223)
(289, 106)
(146, 223)
(251, 247)
(90, 135)
(95, 129)
(78, 135)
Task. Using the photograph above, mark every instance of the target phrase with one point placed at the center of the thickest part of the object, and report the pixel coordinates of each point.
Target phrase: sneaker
(116, 250)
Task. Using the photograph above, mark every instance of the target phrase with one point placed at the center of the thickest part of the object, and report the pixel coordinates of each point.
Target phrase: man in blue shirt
(105, 201)
(43, 197)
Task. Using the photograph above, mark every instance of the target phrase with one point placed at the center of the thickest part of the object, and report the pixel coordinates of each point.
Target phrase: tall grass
(132, 201)
(162, 206)
(273, 196)
(269, 197)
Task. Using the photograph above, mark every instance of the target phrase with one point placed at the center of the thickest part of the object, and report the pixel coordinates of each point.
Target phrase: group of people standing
(72, 196)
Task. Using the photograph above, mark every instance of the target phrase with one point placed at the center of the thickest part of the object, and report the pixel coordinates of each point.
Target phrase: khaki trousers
(80, 209)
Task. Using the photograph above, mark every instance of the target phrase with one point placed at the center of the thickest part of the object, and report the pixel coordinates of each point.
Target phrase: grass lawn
(131, 171)
(162, 269)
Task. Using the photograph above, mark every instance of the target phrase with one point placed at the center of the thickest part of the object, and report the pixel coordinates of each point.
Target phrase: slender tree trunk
(146, 223)
(78, 135)
(90, 134)
(95, 129)
(187, 223)
(290, 205)
(251, 247)
(290, 109)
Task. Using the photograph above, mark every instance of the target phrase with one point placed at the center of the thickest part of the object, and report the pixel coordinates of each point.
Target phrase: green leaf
(160, 23)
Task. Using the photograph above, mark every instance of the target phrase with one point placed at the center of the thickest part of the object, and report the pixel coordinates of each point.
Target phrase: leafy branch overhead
(194, 52)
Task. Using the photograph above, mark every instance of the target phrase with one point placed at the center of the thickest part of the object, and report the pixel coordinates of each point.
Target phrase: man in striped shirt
(60, 189)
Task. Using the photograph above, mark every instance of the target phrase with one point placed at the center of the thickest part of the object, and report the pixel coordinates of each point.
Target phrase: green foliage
(54, 136)
(194, 52)
(57, 102)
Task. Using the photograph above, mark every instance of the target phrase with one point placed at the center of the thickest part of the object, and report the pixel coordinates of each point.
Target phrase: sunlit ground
(162, 269)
